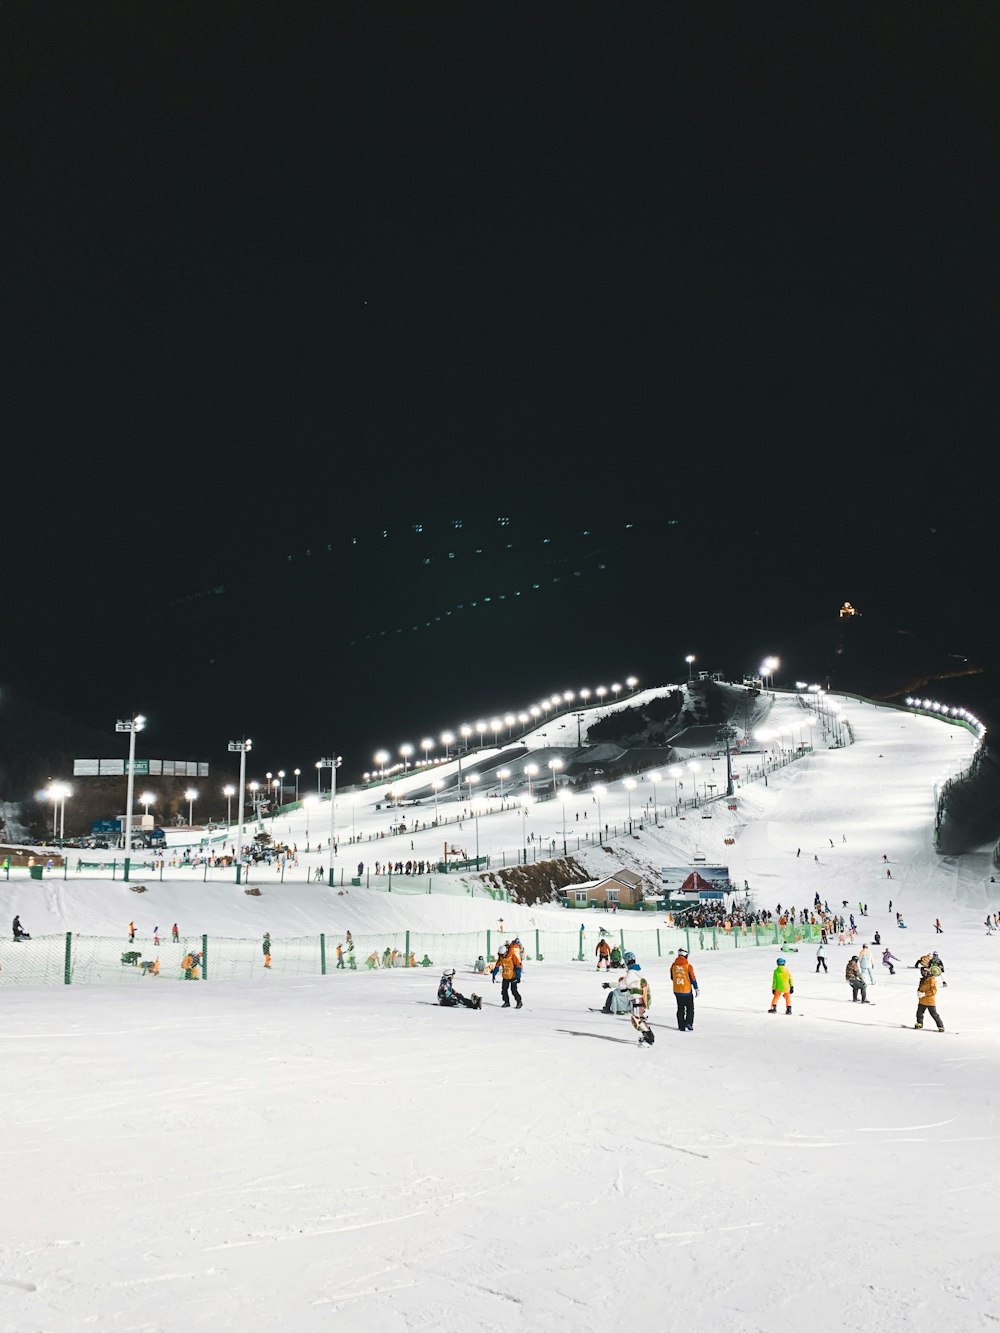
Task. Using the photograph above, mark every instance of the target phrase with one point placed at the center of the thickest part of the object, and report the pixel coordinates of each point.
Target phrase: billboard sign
(693, 884)
(144, 768)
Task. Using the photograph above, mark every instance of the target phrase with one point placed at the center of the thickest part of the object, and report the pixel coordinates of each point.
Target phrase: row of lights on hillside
(454, 742)
(946, 710)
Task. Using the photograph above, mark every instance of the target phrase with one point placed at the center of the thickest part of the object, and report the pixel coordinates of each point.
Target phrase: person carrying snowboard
(781, 985)
(449, 997)
(641, 997)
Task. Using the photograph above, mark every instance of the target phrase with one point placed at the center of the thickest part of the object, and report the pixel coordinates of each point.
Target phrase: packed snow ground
(339, 1152)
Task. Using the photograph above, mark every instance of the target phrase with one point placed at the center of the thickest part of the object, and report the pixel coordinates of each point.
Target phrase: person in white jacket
(821, 956)
(865, 966)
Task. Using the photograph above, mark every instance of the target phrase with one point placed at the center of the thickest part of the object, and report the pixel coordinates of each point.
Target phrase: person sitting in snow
(480, 964)
(449, 997)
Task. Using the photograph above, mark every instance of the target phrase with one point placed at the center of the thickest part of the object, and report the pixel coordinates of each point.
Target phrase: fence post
(537, 946)
(659, 951)
(68, 964)
(322, 955)
(114, 867)
(715, 938)
(489, 952)
(407, 962)
(622, 933)
(687, 938)
(204, 957)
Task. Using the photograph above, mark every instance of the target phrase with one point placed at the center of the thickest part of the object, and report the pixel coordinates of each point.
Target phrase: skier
(449, 997)
(937, 926)
(685, 989)
(131, 932)
(852, 974)
(266, 946)
(781, 985)
(603, 954)
(876, 938)
(821, 956)
(887, 961)
(174, 934)
(927, 999)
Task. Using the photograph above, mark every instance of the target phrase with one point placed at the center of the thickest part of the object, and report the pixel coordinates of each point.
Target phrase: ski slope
(338, 1152)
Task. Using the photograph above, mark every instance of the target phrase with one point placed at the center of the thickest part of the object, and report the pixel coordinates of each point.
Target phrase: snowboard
(930, 1028)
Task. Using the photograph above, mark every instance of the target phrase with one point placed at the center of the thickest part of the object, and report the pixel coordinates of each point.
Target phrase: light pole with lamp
(728, 734)
(406, 750)
(693, 767)
(690, 661)
(319, 779)
(333, 762)
(629, 784)
(501, 774)
(564, 801)
(241, 748)
(131, 725)
(473, 778)
(632, 682)
(190, 796)
(529, 771)
(275, 784)
(281, 788)
(297, 772)
(229, 791)
(57, 793)
(654, 779)
(599, 791)
(381, 758)
(436, 787)
(427, 744)
(307, 803)
(676, 773)
(555, 765)
(526, 801)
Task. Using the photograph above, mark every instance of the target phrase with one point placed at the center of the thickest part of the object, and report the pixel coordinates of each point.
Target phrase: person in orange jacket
(685, 989)
(510, 972)
(603, 952)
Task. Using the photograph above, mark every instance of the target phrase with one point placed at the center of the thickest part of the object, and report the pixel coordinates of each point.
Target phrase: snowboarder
(174, 933)
(131, 932)
(685, 989)
(449, 997)
(19, 932)
(156, 936)
(937, 967)
(619, 1000)
(781, 985)
(509, 974)
(603, 954)
(937, 926)
(266, 946)
(821, 956)
(852, 974)
(865, 966)
(887, 961)
(927, 999)
(641, 996)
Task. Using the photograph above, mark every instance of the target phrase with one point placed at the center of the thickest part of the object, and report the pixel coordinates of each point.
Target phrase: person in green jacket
(781, 984)
(267, 948)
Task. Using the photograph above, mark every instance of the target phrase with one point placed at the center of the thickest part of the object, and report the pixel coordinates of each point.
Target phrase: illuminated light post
(529, 771)
(599, 791)
(526, 801)
(229, 791)
(333, 762)
(427, 744)
(474, 778)
(676, 773)
(481, 728)
(508, 720)
(496, 726)
(275, 784)
(690, 661)
(630, 784)
(564, 801)
(616, 690)
(654, 778)
(57, 793)
(132, 725)
(555, 765)
(767, 669)
(297, 772)
(242, 747)
(601, 691)
(632, 682)
(406, 750)
(307, 803)
(436, 786)
(501, 774)
(319, 779)
(191, 796)
(585, 696)
(693, 767)
(381, 758)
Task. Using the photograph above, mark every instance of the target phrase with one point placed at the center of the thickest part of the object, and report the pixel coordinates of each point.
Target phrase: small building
(624, 887)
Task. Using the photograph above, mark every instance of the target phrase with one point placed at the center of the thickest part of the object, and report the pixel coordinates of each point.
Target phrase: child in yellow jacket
(781, 985)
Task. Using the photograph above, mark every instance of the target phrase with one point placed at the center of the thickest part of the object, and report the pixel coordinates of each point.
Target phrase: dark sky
(281, 279)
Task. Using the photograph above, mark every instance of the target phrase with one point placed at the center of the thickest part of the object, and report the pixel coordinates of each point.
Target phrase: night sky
(674, 324)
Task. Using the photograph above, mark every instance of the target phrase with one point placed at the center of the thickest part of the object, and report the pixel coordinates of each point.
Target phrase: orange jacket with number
(682, 975)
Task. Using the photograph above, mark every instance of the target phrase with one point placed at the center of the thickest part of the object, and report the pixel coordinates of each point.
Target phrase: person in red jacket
(685, 989)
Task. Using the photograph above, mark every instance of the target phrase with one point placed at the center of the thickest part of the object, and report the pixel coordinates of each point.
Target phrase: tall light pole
(525, 802)
(319, 779)
(629, 784)
(694, 766)
(333, 762)
(654, 779)
(564, 801)
(406, 750)
(57, 793)
(529, 771)
(381, 758)
(436, 786)
(275, 784)
(632, 682)
(676, 773)
(690, 661)
(229, 791)
(470, 782)
(728, 734)
(281, 787)
(297, 772)
(131, 725)
(598, 791)
(555, 765)
(307, 803)
(427, 744)
(472, 779)
(242, 748)
(501, 774)
(190, 796)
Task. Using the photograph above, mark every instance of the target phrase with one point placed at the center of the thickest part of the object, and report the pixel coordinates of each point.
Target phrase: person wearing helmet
(510, 972)
(927, 999)
(518, 957)
(641, 998)
(852, 975)
(781, 985)
(449, 997)
(685, 989)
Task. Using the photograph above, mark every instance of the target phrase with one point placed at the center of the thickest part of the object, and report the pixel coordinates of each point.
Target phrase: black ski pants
(685, 1009)
(928, 1009)
(508, 988)
(821, 963)
(860, 991)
